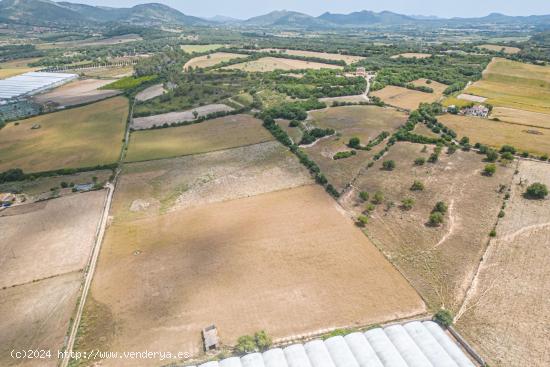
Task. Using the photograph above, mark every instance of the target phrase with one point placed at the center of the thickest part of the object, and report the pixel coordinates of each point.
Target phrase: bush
(263, 341)
(364, 195)
(294, 123)
(536, 190)
(489, 169)
(343, 155)
(388, 165)
(493, 233)
(508, 149)
(246, 344)
(407, 203)
(434, 157)
(501, 214)
(417, 186)
(362, 220)
(436, 218)
(441, 207)
(444, 317)
(378, 197)
(354, 143)
(492, 155)
(419, 161)
(507, 156)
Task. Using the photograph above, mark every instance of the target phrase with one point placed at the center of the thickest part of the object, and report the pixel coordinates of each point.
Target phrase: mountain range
(47, 12)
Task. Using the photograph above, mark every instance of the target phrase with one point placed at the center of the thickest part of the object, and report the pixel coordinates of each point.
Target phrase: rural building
(412, 344)
(479, 111)
(210, 337)
(360, 71)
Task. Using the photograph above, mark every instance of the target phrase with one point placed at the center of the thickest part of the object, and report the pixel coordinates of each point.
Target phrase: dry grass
(276, 63)
(522, 117)
(515, 85)
(16, 67)
(115, 72)
(221, 133)
(412, 55)
(349, 59)
(162, 279)
(201, 48)
(77, 92)
(211, 59)
(80, 137)
(147, 122)
(506, 315)
(497, 134)
(439, 261)
(410, 99)
(151, 92)
(498, 48)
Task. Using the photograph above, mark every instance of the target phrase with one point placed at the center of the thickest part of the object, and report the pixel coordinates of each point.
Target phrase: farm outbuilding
(32, 83)
(414, 344)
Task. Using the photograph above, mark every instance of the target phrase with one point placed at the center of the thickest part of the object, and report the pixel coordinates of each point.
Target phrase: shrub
(378, 197)
(436, 218)
(263, 341)
(343, 155)
(444, 317)
(441, 207)
(451, 149)
(434, 157)
(501, 214)
(507, 156)
(465, 140)
(489, 169)
(492, 155)
(354, 143)
(407, 203)
(493, 233)
(417, 186)
(362, 220)
(388, 165)
(525, 154)
(536, 190)
(294, 123)
(544, 157)
(246, 344)
(419, 161)
(364, 195)
(508, 148)
(64, 184)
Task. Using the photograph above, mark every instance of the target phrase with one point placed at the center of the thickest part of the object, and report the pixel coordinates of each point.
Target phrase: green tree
(364, 195)
(536, 190)
(407, 203)
(417, 186)
(492, 155)
(263, 341)
(378, 197)
(489, 169)
(388, 165)
(362, 220)
(441, 207)
(444, 317)
(246, 344)
(354, 143)
(436, 218)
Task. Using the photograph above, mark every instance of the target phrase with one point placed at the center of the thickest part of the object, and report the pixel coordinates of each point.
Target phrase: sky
(243, 9)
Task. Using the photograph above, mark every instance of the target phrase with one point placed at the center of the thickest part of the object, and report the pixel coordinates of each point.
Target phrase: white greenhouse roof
(31, 83)
(414, 344)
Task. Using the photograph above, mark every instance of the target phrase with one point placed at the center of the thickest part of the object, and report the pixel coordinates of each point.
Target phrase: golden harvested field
(211, 59)
(410, 99)
(364, 122)
(152, 188)
(349, 59)
(77, 92)
(115, 72)
(217, 134)
(161, 279)
(498, 48)
(16, 67)
(507, 312)
(412, 55)
(440, 262)
(201, 48)
(521, 117)
(515, 85)
(497, 134)
(276, 63)
(80, 137)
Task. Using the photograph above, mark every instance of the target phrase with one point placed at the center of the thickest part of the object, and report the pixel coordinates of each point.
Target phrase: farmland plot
(77, 92)
(409, 99)
(140, 123)
(211, 59)
(266, 64)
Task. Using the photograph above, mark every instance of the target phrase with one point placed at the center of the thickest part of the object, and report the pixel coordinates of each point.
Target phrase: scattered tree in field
(434, 157)
(508, 148)
(501, 214)
(436, 218)
(417, 186)
(444, 317)
(493, 233)
(492, 155)
(451, 149)
(246, 344)
(489, 169)
(364, 195)
(419, 161)
(195, 114)
(465, 140)
(378, 197)
(362, 220)
(263, 341)
(388, 165)
(536, 190)
(441, 207)
(407, 203)
(369, 208)
(354, 142)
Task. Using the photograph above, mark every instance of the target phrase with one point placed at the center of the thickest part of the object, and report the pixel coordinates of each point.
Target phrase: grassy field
(80, 137)
(16, 67)
(522, 117)
(77, 92)
(509, 300)
(211, 59)
(349, 59)
(498, 48)
(440, 262)
(412, 55)
(190, 49)
(275, 63)
(115, 72)
(410, 99)
(221, 133)
(129, 82)
(515, 85)
(140, 123)
(497, 134)
(157, 276)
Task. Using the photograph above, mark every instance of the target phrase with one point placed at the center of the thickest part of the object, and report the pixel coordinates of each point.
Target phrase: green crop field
(78, 137)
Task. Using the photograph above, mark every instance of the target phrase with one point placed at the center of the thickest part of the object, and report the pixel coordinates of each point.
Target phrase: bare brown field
(160, 280)
(151, 92)
(140, 123)
(412, 55)
(422, 129)
(364, 122)
(211, 59)
(276, 63)
(507, 313)
(521, 117)
(355, 98)
(114, 72)
(348, 59)
(497, 133)
(48, 238)
(153, 188)
(78, 92)
(440, 262)
(410, 99)
(36, 316)
(498, 48)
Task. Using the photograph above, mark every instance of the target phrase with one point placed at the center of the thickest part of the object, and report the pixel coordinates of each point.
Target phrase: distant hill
(365, 17)
(223, 19)
(46, 12)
